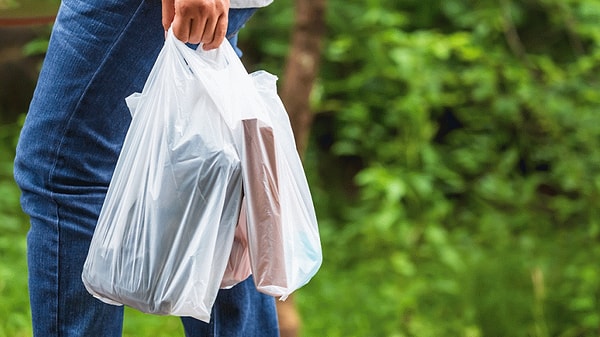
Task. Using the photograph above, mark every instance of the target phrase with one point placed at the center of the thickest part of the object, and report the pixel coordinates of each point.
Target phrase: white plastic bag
(166, 228)
(164, 239)
(283, 237)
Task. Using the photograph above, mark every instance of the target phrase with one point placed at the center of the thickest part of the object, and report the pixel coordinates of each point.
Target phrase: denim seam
(59, 331)
(57, 269)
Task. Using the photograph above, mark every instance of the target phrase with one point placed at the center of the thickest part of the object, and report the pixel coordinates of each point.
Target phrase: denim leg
(238, 312)
(68, 148)
(59, 303)
(100, 52)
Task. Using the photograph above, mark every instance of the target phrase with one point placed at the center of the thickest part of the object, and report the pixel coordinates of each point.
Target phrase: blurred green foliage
(454, 163)
(27, 8)
(14, 307)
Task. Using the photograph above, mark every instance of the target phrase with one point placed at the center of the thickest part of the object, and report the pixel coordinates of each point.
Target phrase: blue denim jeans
(99, 53)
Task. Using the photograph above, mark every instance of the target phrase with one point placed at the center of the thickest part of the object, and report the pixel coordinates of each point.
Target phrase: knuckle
(220, 32)
(185, 8)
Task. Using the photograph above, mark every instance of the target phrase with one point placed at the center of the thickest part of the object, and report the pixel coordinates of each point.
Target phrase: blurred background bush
(454, 159)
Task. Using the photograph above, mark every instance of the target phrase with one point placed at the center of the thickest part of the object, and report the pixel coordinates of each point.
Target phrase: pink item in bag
(238, 266)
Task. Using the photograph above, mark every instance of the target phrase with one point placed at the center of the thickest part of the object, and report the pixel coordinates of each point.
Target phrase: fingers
(196, 30)
(197, 21)
(220, 29)
(168, 13)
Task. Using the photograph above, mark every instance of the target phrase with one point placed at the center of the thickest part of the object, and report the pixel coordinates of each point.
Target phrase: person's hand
(197, 21)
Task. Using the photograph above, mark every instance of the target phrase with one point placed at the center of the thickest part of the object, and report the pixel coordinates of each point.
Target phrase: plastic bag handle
(219, 58)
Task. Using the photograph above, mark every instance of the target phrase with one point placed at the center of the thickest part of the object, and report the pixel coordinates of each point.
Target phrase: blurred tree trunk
(302, 66)
(299, 76)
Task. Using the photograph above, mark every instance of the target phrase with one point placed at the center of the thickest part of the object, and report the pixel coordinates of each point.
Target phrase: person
(99, 53)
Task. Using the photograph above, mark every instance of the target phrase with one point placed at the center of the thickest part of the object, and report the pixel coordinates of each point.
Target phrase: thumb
(168, 13)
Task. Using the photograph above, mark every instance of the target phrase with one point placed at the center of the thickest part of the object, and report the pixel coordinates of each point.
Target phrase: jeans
(100, 52)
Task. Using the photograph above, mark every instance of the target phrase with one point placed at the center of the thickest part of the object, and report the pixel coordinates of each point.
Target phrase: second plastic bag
(283, 236)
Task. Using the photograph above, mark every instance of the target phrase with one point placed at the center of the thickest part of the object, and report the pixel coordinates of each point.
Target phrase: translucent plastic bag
(283, 237)
(166, 228)
(280, 245)
(166, 238)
